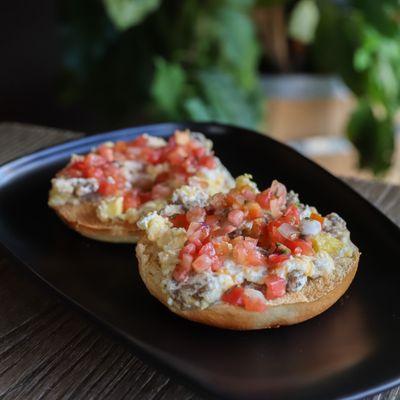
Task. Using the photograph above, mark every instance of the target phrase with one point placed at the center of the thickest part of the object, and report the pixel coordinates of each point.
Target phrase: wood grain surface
(50, 351)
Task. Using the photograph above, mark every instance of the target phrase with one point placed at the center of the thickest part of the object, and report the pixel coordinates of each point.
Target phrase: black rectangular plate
(350, 351)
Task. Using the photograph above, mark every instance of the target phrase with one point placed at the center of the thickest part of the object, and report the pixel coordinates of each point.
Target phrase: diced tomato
(299, 246)
(94, 160)
(73, 172)
(222, 248)
(245, 252)
(107, 188)
(254, 300)
(273, 233)
(199, 152)
(153, 156)
(183, 268)
(227, 228)
(211, 220)
(208, 162)
(139, 141)
(131, 200)
(145, 197)
(164, 176)
(276, 287)
(120, 146)
(257, 228)
(236, 217)
(202, 263)
(160, 191)
(177, 156)
(106, 152)
(234, 296)
(196, 214)
(275, 259)
(317, 217)
(216, 263)
(208, 249)
(264, 198)
(180, 221)
(292, 215)
(254, 210)
(198, 235)
(94, 172)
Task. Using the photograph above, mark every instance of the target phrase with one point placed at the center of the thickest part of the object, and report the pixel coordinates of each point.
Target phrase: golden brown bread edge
(321, 296)
(83, 218)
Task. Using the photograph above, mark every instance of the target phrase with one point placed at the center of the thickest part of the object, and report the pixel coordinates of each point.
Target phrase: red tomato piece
(200, 234)
(234, 296)
(145, 197)
(202, 263)
(94, 172)
(236, 217)
(292, 215)
(264, 198)
(211, 220)
(120, 146)
(208, 249)
(131, 200)
(106, 152)
(208, 162)
(160, 191)
(183, 268)
(299, 246)
(276, 287)
(254, 210)
(254, 300)
(140, 141)
(222, 248)
(275, 259)
(196, 214)
(108, 188)
(180, 221)
(248, 194)
(199, 152)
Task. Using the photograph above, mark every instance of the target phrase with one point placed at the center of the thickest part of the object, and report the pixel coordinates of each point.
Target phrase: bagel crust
(317, 296)
(83, 218)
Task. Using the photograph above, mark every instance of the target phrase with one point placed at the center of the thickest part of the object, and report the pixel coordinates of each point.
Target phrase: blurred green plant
(360, 41)
(192, 59)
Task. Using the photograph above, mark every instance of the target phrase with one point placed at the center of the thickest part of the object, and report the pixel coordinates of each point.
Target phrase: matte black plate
(351, 350)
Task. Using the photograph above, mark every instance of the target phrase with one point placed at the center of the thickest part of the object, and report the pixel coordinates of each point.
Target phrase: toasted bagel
(315, 298)
(103, 193)
(248, 259)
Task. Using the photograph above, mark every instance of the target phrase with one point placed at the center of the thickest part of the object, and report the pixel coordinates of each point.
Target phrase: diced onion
(288, 231)
(310, 227)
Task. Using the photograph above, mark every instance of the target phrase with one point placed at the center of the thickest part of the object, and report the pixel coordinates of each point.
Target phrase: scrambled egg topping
(203, 289)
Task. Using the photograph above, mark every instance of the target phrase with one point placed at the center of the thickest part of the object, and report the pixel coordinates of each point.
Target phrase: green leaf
(223, 100)
(238, 47)
(373, 137)
(168, 87)
(303, 21)
(197, 109)
(127, 13)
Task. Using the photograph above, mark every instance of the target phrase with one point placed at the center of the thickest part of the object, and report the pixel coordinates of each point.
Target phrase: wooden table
(50, 351)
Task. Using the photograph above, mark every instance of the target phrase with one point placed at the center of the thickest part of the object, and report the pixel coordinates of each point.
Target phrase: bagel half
(294, 283)
(77, 200)
(315, 298)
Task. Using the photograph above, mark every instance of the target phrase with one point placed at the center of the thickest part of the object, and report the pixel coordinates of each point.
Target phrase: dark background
(29, 65)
